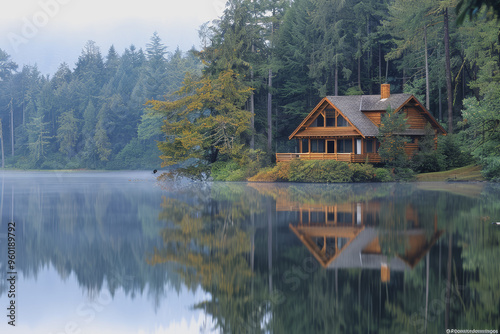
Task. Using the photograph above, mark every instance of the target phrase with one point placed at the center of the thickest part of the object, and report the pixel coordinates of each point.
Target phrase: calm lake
(119, 252)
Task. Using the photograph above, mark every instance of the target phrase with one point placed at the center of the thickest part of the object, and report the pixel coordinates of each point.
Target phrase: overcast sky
(49, 32)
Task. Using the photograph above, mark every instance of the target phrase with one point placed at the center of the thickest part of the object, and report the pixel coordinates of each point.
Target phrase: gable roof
(352, 107)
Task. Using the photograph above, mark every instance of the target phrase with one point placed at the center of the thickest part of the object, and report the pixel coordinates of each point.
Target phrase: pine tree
(154, 76)
(7, 69)
(391, 138)
(294, 49)
(101, 139)
(89, 151)
(67, 133)
(62, 76)
(111, 64)
(7, 66)
(39, 137)
(90, 70)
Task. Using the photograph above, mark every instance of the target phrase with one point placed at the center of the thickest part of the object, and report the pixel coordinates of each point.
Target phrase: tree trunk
(439, 84)
(359, 68)
(336, 79)
(1, 143)
(427, 98)
(12, 124)
(386, 70)
(448, 71)
(252, 108)
(379, 63)
(269, 112)
(252, 111)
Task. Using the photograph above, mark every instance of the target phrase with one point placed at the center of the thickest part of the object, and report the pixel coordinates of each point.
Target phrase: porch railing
(347, 157)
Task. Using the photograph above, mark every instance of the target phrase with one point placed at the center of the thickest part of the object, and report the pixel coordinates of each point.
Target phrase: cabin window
(341, 121)
(319, 121)
(369, 145)
(344, 146)
(330, 117)
(305, 146)
(317, 146)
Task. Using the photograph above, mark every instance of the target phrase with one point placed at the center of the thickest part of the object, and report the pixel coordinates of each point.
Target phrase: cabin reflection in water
(348, 235)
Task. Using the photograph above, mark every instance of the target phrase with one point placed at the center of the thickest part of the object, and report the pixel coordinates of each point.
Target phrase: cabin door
(330, 146)
(358, 146)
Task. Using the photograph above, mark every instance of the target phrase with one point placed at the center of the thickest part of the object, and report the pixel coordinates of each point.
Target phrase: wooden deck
(347, 157)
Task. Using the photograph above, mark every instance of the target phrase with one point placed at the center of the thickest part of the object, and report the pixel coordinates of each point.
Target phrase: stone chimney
(385, 91)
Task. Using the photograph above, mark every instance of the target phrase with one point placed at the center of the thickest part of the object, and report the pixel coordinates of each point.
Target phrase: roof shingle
(353, 105)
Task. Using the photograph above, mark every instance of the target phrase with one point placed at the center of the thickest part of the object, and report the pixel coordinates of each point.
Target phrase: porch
(347, 157)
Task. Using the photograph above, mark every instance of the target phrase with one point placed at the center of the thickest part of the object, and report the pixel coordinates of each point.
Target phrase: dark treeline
(289, 54)
(92, 115)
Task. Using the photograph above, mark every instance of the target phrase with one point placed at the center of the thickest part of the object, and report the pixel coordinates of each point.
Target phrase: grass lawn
(468, 173)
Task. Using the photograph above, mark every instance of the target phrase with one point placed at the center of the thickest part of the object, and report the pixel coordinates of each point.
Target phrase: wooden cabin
(345, 128)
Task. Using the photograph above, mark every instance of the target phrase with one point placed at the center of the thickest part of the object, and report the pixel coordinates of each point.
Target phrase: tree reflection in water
(337, 258)
(286, 258)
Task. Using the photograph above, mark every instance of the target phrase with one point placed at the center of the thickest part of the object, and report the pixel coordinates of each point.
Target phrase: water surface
(121, 253)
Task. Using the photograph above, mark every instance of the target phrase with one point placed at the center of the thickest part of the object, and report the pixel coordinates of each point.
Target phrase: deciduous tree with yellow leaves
(206, 123)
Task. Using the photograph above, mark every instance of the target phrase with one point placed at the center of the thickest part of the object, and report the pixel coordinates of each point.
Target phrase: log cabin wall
(415, 118)
(411, 148)
(374, 116)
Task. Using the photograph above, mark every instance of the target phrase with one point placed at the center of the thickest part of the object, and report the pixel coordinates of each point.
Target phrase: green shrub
(221, 170)
(383, 175)
(52, 165)
(72, 164)
(136, 154)
(280, 172)
(491, 168)
(319, 171)
(453, 155)
(236, 175)
(283, 171)
(250, 169)
(404, 174)
(362, 172)
(427, 162)
(269, 174)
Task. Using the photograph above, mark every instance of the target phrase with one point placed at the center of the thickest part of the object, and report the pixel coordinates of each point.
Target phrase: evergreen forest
(262, 67)
(91, 115)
